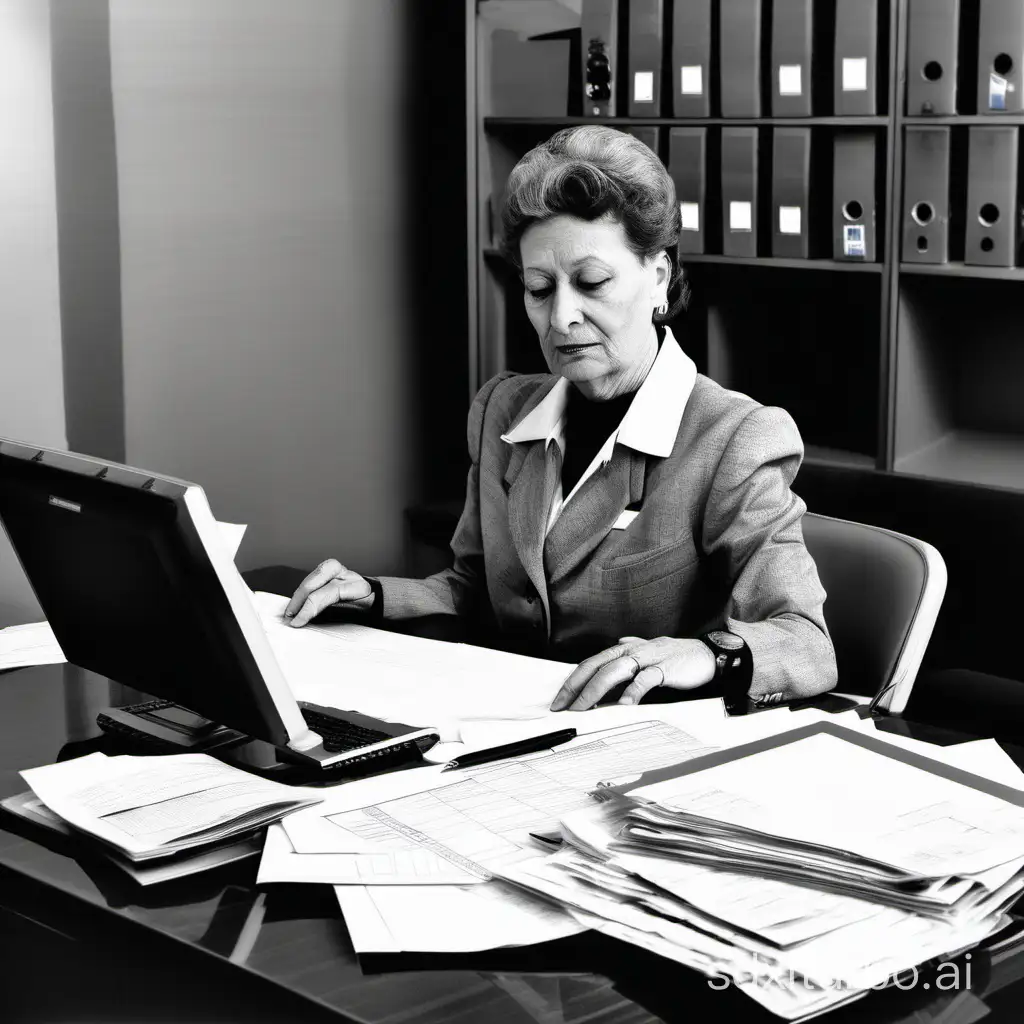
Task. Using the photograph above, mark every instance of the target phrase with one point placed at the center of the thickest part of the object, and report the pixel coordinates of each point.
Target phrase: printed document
(155, 806)
(407, 679)
(480, 817)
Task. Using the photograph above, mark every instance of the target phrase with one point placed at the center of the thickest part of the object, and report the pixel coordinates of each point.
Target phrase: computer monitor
(133, 577)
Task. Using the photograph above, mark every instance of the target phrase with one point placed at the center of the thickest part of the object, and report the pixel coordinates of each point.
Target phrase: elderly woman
(622, 511)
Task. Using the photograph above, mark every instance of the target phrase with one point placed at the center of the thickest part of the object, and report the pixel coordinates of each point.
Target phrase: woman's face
(590, 300)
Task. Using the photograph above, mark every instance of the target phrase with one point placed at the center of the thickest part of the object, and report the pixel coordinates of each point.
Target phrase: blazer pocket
(628, 572)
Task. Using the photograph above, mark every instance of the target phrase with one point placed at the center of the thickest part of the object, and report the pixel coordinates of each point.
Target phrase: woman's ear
(662, 276)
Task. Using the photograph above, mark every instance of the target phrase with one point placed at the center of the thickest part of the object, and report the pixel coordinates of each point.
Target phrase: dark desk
(82, 943)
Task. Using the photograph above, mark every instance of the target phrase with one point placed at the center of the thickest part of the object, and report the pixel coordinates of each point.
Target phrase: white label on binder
(690, 215)
(692, 80)
(643, 87)
(740, 216)
(853, 240)
(790, 80)
(997, 89)
(855, 74)
(789, 220)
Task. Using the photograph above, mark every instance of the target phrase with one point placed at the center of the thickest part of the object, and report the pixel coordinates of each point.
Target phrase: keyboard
(339, 734)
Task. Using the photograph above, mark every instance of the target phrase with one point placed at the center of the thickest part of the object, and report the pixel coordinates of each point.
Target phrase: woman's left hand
(664, 661)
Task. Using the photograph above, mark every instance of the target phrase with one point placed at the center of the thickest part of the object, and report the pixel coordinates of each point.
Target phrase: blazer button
(530, 594)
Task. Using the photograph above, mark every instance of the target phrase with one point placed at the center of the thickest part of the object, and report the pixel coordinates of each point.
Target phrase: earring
(662, 309)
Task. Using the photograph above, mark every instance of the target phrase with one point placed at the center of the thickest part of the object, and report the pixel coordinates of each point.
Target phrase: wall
(31, 378)
(262, 169)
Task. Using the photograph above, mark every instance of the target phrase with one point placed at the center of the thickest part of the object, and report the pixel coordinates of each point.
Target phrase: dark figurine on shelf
(599, 75)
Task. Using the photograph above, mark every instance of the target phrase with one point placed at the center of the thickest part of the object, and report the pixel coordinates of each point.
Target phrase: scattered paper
(149, 807)
(407, 679)
(30, 644)
(477, 818)
(411, 866)
(449, 918)
(231, 535)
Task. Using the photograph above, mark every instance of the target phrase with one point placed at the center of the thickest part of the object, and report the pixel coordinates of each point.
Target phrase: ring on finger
(637, 670)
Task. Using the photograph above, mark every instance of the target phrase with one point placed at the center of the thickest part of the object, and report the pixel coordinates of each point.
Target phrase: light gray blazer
(717, 542)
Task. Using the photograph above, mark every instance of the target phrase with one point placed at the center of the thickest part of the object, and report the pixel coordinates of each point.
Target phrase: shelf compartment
(970, 456)
(784, 263)
(967, 119)
(493, 254)
(820, 455)
(497, 123)
(959, 363)
(812, 351)
(957, 269)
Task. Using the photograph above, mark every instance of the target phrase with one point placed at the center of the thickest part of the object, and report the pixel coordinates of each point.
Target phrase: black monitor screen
(132, 576)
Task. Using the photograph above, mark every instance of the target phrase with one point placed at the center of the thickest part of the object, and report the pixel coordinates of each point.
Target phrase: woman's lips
(571, 350)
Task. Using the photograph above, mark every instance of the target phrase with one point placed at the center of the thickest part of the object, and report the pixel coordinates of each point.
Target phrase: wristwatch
(734, 667)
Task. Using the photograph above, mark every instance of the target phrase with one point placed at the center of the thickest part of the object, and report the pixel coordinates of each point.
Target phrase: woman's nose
(565, 309)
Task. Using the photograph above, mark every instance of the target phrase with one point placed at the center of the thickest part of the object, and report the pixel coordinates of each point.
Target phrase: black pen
(528, 746)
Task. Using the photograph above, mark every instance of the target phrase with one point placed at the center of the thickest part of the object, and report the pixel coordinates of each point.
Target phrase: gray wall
(261, 160)
(31, 378)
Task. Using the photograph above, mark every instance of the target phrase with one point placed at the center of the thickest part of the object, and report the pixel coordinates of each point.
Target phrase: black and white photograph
(511, 511)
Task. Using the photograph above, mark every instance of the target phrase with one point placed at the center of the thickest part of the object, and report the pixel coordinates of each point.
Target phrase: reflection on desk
(218, 942)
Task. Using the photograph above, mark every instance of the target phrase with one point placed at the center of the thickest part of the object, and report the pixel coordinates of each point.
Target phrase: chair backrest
(884, 593)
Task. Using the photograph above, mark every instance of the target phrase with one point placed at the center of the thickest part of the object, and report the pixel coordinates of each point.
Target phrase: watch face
(728, 641)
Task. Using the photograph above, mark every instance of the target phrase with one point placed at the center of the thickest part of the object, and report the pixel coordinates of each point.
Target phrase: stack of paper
(805, 873)
(145, 809)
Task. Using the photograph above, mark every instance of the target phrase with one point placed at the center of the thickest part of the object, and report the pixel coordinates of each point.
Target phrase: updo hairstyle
(591, 171)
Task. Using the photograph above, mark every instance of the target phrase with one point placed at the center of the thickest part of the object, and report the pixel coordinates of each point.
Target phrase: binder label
(740, 216)
(855, 74)
(643, 87)
(790, 80)
(692, 80)
(853, 240)
(789, 220)
(689, 213)
(997, 89)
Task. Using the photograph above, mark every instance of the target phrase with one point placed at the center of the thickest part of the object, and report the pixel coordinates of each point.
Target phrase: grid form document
(484, 817)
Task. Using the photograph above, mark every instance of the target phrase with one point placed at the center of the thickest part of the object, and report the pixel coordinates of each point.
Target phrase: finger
(643, 682)
(317, 602)
(335, 592)
(314, 581)
(631, 640)
(580, 676)
(613, 674)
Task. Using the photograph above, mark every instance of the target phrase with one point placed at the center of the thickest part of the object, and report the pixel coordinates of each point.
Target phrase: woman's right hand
(329, 584)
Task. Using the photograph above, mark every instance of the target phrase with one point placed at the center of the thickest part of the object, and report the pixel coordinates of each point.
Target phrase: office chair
(884, 594)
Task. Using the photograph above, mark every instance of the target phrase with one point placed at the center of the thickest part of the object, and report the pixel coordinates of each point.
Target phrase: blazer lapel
(530, 479)
(586, 520)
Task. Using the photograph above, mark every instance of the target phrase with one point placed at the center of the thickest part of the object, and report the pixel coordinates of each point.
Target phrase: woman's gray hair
(591, 171)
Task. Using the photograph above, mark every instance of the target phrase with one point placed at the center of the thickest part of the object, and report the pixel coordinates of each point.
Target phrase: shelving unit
(891, 366)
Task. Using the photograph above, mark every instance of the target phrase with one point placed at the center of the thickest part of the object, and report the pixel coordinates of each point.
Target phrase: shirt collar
(652, 421)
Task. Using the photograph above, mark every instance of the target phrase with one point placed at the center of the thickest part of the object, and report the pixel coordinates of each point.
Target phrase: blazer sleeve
(753, 522)
(457, 590)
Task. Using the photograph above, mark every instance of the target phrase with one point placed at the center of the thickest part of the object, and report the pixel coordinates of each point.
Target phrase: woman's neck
(628, 380)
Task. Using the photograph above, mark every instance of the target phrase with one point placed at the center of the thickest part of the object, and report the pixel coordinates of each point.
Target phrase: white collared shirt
(650, 425)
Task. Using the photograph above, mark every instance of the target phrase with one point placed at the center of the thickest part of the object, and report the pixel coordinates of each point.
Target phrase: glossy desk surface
(239, 938)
